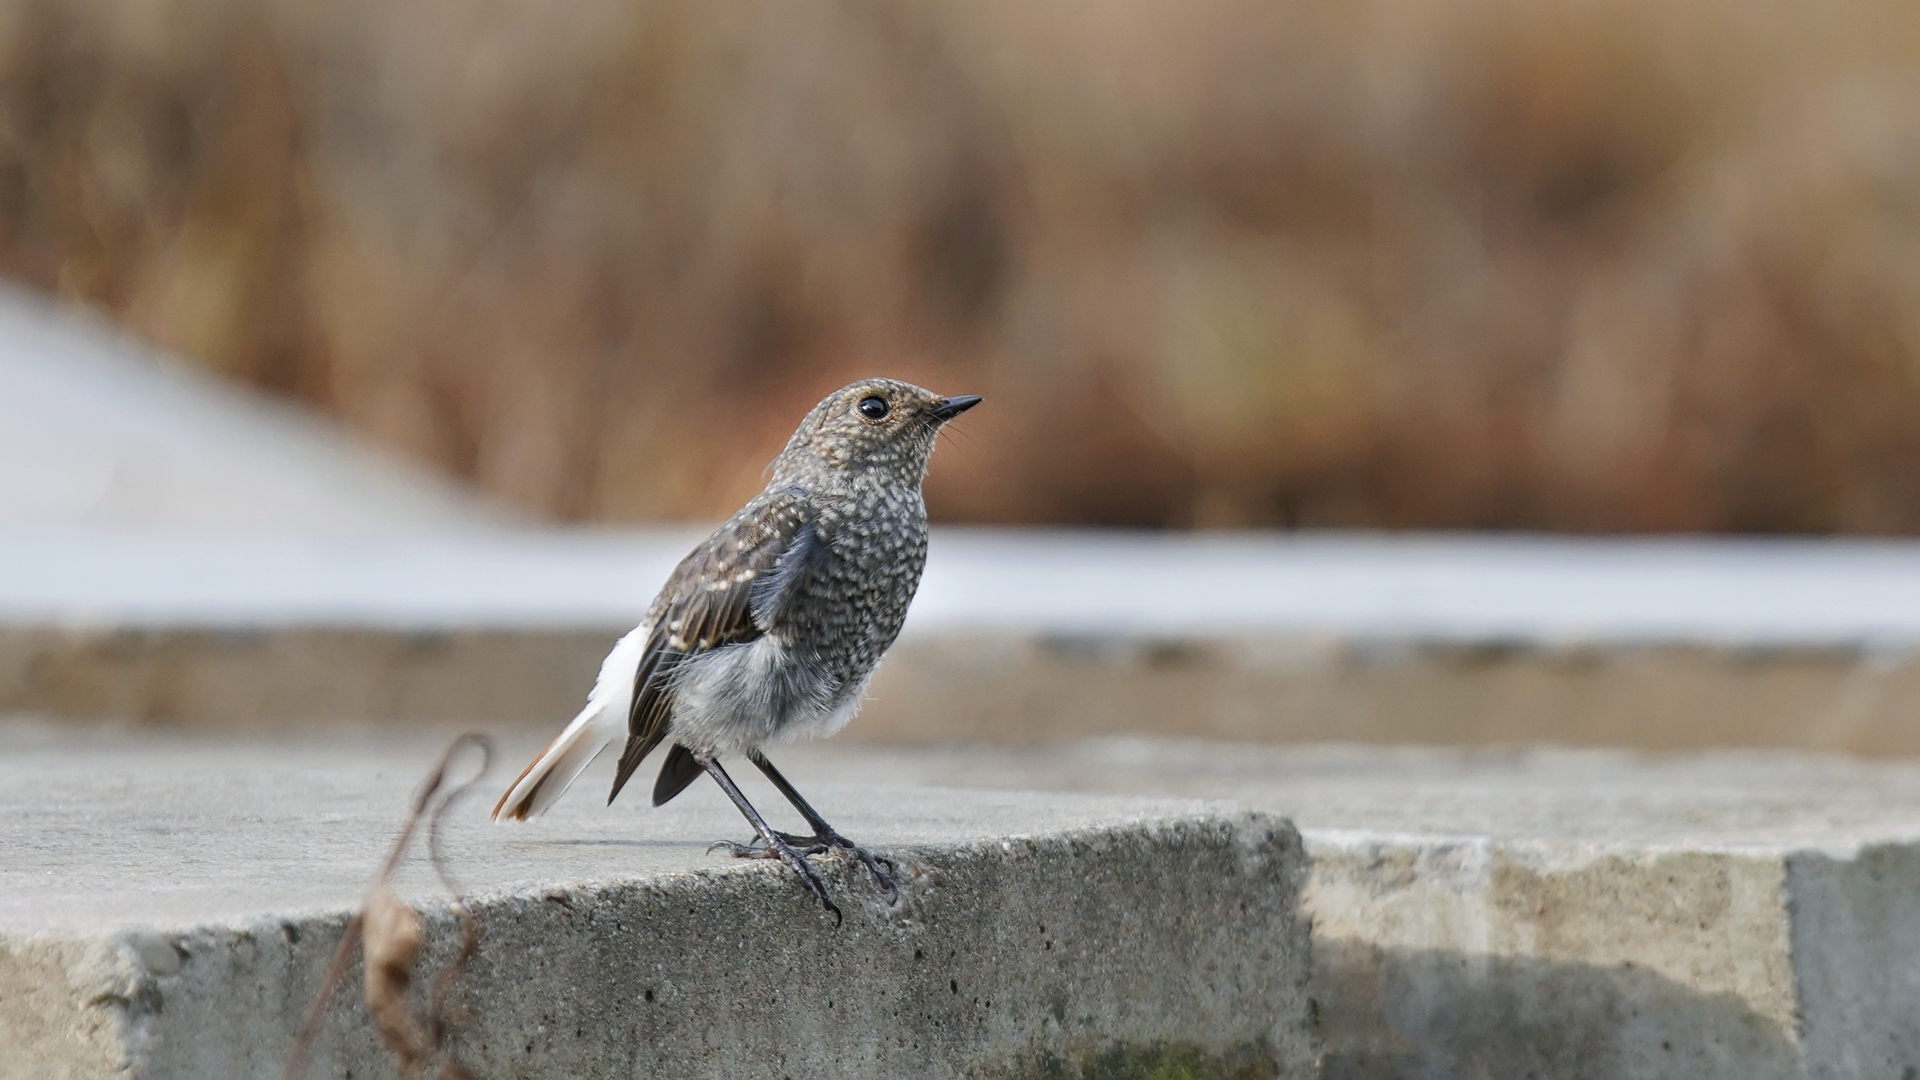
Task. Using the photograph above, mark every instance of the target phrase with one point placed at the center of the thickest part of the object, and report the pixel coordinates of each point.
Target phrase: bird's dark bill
(954, 406)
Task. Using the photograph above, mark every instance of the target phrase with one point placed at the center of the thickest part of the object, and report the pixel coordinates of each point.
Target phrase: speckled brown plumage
(771, 628)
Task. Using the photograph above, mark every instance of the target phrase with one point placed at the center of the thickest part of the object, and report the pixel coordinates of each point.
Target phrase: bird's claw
(782, 849)
(797, 847)
(879, 866)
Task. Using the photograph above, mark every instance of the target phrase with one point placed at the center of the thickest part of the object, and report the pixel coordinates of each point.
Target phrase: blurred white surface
(96, 431)
(1466, 588)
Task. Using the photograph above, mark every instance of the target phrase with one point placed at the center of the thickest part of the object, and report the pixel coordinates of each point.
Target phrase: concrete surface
(167, 907)
(1574, 914)
(1467, 590)
(1017, 636)
(936, 688)
(1559, 913)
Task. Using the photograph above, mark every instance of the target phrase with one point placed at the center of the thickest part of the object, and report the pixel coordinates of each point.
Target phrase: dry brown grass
(1515, 263)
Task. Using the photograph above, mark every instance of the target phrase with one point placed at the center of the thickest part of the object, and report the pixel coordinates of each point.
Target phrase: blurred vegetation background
(1587, 265)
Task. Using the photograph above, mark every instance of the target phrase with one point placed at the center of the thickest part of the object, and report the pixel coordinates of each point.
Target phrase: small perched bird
(770, 628)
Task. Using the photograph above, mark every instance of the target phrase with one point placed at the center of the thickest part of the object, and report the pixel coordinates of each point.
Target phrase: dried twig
(390, 931)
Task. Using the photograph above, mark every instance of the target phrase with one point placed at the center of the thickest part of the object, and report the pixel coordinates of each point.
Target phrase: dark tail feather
(630, 758)
(679, 770)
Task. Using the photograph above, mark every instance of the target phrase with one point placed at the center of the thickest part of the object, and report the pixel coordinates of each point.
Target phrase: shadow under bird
(770, 629)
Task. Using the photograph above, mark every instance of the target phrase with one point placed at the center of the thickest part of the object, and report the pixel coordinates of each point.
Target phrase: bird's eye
(873, 408)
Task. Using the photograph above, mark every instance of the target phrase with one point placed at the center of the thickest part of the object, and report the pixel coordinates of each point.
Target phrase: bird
(770, 629)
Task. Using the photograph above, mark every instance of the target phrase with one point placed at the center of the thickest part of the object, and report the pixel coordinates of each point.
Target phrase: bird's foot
(879, 866)
(783, 849)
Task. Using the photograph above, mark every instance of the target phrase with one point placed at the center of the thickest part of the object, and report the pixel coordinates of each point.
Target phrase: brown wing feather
(707, 603)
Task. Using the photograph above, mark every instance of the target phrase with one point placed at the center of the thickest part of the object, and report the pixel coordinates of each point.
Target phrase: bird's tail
(557, 766)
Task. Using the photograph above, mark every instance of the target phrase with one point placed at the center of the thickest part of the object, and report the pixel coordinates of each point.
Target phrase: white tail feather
(556, 767)
(597, 727)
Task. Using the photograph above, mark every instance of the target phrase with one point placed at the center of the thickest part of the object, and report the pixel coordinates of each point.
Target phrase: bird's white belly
(740, 697)
(827, 721)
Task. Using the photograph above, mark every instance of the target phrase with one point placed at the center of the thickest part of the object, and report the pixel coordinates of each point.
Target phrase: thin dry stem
(390, 933)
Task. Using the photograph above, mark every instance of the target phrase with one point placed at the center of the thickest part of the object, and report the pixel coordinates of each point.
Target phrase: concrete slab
(167, 908)
(1017, 636)
(1561, 913)
(1094, 586)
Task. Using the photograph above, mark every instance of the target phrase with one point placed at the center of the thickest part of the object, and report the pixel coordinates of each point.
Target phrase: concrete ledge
(1455, 956)
(166, 910)
(1017, 635)
(1017, 687)
(1300, 689)
(260, 679)
(1567, 914)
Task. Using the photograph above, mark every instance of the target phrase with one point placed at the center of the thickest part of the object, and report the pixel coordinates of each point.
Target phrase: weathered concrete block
(1449, 957)
(1015, 636)
(167, 910)
(1011, 686)
(1587, 916)
(1583, 915)
(250, 678)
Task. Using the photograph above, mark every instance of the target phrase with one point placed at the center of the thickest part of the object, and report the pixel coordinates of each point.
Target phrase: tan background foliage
(1567, 264)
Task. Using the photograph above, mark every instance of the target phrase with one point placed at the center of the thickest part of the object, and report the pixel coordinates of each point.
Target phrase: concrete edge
(1016, 688)
(221, 999)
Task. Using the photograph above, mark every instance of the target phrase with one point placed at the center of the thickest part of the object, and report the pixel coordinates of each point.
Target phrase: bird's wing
(728, 591)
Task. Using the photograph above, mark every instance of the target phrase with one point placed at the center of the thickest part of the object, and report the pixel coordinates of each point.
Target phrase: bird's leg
(825, 837)
(775, 846)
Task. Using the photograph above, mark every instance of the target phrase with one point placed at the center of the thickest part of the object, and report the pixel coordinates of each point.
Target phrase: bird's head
(882, 425)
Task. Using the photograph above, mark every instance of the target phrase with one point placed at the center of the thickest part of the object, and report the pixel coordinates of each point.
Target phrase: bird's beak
(948, 408)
